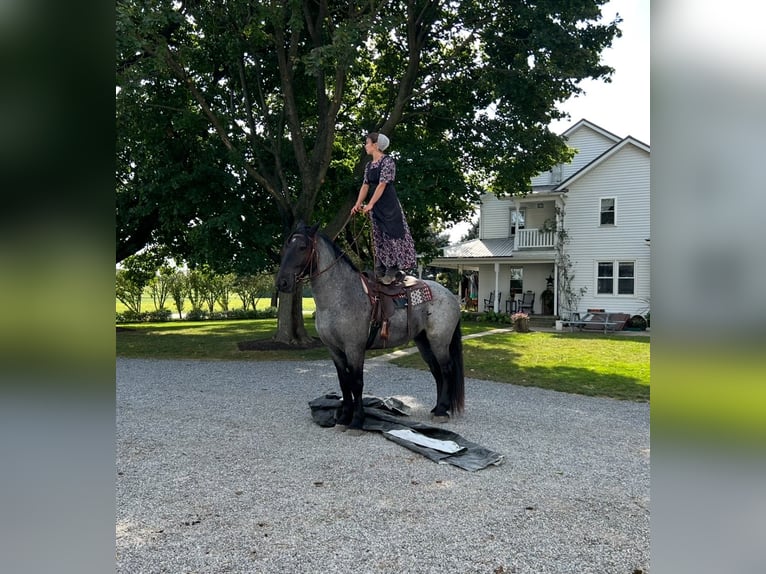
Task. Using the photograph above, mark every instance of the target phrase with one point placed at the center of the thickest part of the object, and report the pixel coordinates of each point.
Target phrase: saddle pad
(421, 295)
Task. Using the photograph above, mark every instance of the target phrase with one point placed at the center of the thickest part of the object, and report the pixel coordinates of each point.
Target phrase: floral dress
(394, 246)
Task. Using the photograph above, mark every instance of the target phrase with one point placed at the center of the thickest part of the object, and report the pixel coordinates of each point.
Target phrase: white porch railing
(535, 239)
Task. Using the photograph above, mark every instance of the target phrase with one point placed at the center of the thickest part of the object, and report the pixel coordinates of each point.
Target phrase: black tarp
(383, 415)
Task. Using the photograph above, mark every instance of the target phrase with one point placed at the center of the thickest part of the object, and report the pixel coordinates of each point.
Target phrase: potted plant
(520, 322)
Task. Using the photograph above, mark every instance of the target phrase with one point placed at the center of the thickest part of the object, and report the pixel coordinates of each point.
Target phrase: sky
(621, 106)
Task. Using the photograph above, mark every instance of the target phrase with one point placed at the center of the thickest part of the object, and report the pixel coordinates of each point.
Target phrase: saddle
(386, 299)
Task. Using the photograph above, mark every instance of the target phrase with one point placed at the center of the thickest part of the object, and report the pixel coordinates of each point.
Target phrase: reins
(302, 276)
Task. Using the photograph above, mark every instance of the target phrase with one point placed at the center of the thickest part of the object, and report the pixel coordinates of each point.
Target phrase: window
(625, 280)
(556, 173)
(607, 210)
(518, 216)
(517, 284)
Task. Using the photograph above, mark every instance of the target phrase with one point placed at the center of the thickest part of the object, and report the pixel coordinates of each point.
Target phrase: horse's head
(298, 254)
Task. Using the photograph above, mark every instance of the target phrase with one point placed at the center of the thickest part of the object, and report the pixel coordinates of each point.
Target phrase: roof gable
(611, 152)
(583, 123)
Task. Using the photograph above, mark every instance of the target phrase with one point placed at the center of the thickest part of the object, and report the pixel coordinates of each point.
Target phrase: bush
(492, 317)
(130, 316)
(196, 315)
(636, 322)
(158, 316)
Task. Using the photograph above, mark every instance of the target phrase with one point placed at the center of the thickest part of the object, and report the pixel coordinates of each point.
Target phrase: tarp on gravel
(388, 416)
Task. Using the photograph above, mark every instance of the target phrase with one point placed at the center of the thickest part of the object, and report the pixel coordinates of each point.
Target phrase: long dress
(394, 246)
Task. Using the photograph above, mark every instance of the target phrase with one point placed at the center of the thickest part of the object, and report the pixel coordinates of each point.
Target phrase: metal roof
(480, 248)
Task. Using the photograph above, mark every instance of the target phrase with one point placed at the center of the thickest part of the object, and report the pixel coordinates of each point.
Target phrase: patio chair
(527, 302)
(489, 304)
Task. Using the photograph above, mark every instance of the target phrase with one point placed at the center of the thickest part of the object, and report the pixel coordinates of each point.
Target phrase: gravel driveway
(221, 469)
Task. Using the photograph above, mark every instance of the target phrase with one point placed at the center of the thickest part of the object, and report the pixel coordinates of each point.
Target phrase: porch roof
(480, 248)
(479, 251)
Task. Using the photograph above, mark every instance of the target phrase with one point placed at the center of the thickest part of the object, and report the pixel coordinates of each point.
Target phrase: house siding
(589, 145)
(495, 217)
(605, 167)
(626, 178)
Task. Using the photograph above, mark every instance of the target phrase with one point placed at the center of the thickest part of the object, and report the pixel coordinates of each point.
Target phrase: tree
(178, 287)
(160, 285)
(259, 108)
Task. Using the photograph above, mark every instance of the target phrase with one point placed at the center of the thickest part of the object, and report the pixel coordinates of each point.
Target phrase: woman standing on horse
(394, 247)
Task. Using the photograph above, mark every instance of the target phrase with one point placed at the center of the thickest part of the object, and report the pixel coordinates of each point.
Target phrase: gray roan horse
(343, 321)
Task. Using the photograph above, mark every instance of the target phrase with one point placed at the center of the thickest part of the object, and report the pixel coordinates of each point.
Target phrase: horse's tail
(456, 383)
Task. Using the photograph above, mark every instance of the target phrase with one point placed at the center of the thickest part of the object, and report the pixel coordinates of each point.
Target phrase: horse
(344, 306)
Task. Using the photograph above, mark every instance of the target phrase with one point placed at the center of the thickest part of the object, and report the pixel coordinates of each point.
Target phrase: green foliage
(570, 296)
(236, 119)
(128, 292)
(251, 288)
(178, 287)
(493, 317)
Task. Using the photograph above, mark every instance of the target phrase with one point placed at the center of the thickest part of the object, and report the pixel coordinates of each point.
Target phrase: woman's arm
(360, 198)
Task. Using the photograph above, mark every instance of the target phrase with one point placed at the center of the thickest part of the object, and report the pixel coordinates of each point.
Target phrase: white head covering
(383, 142)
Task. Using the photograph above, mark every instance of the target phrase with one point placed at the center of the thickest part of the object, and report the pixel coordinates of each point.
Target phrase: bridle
(307, 273)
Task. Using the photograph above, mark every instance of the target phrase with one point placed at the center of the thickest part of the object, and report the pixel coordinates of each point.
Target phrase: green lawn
(234, 303)
(585, 363)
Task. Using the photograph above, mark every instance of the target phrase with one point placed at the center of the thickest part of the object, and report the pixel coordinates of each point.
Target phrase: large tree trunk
(290, 326)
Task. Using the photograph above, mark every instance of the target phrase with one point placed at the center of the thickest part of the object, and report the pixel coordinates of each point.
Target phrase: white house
(600, 201)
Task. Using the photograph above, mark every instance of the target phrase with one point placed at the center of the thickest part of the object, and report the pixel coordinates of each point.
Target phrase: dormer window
(607, 210)
(556, 173)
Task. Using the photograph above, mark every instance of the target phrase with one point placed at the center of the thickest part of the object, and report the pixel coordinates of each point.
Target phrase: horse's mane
(337, 251)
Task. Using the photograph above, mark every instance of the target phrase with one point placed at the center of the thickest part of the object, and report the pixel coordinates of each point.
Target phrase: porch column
(460, 283)
(497, 287)
(556, 289)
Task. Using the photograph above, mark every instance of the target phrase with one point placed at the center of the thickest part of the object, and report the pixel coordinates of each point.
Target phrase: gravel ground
(221, 469)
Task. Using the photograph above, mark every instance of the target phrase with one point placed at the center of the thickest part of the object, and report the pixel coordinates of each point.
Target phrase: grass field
(585, 363)
(234, 303)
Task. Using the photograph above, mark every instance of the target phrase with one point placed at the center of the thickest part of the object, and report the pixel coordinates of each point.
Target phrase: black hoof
(440, 418)
(341, 428)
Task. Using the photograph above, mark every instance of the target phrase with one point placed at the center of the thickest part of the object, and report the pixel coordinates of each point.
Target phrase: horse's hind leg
(351, 382)
(440, 412)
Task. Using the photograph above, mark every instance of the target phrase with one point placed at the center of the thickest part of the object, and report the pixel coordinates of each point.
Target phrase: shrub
(196, 315)
(158, 316)
(492, 317)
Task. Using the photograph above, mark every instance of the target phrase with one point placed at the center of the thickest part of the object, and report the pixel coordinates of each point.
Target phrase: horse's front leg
(350, 377)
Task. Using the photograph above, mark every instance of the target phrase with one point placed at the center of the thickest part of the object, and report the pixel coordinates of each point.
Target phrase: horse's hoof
(354, 432)
(341, 428)
(440, 418)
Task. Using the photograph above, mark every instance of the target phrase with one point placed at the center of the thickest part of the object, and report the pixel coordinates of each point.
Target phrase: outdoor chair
(527, 302)
(489, 304)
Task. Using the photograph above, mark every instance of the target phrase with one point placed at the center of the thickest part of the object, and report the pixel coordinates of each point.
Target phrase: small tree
(224, 285)
(250, 288)
(159, 286)
(208, 287)
(128, 291)
(195, 289)
(178, 288)
(137, 270)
